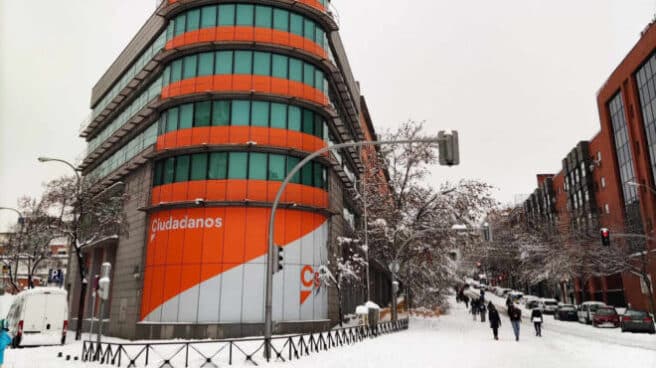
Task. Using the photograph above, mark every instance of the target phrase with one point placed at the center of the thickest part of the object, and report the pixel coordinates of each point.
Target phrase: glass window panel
(278, 115)
(157, 176)
(221, 113)
(257, 167)
(208, 17)
(169, 170)
(263, 16)
(308, 74)
(319, 36)
(176, 70)
(318, 126)
(308, 122)
(218, 166)
(189, 69)
(172, 120)
(193, 20)
(318, 80)
(181, 169)
(260, 115)
(291, 163)
(186, 116)
(318, 175)
(262, 63)
(180, 24)
(309, 29)
(223, 62)
(170, 30)
(276, 167)
(237, 165)
(206, 64)
(295, 70)
(279, 66)
(245, 15)
(294, 118)
(240, 113)
(202, 114)
(199, 166)
(243, 62)
(281, 20)
(306, 174)
(296, 24)
(167, 76)
(226, 15)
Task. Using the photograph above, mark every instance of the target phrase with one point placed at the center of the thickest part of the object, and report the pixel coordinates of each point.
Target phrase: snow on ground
(453, 340)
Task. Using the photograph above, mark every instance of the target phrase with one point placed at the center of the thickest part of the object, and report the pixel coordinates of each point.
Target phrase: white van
(39, 317)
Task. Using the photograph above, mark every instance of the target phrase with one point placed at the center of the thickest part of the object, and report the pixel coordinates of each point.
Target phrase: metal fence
(214, 353)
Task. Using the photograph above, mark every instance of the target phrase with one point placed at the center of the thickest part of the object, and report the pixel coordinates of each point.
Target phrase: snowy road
(453, 340)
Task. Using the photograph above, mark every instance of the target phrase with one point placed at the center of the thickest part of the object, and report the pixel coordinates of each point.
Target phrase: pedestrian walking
(5, 339)
(474, 308)
(509, 302)
(515, 315)
(495, 320)
(483, 295)
(536, 318)
(482, 309)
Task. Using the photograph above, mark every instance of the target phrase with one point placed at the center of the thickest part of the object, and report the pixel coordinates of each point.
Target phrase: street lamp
(268, 322)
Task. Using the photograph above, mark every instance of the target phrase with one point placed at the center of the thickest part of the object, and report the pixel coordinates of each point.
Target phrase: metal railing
(212, 353)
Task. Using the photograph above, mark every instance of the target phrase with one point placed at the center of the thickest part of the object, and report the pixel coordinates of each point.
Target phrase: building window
(645, 78)
(603, 182)
(598, 157)
(607, 209)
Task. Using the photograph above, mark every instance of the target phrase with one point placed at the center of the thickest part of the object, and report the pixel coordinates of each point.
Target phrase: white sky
(517, 78)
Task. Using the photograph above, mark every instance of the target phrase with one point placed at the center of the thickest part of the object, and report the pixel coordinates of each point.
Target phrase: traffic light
(448, 148)
(278, 259)
(605, 236)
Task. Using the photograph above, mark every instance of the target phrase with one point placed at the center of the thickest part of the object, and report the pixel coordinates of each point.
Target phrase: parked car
(528, 298)
(566, 312)
(39, 317)
(533, 304)
(587, 310)
(606, 317)
(515, 296)
(505, 292)
(548, 306)
(637, 321)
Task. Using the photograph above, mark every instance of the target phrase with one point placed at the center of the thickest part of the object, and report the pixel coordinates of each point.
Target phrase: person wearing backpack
(536, 318)
(495, 320)
(515, 315)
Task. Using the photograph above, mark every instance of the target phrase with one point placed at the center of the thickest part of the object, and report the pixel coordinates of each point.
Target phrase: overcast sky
(517, 78)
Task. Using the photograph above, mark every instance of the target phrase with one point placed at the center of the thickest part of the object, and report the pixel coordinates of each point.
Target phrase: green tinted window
(291, 163)
(169, 170)
(186, 116)
(170, 29)
(295, 70)
(206, 64)
(296, 24)
(172, 120)
(226, 15)
(257, 167)
(318, 175)
(308, 74)
(318, 126)
(243, 62)
(240, 113)
(157, 176)
(221, 113)
(279, 66)
(237, 165)
(263, 16)
(244, 15)
(208, 17)
(281, 20)
(202, 114)
(319, 37)
(309, 29)
(180, 24)
(308, 122)
(193, 20)
(318, 80)
(181, 169)
(199, 166)
(262, 63)
(294, 118)
(306, 174)
(218, 166)
(277, 167)
(260, 115)
(278, 115)
(189, 68)
(223, 62)
(176, 71)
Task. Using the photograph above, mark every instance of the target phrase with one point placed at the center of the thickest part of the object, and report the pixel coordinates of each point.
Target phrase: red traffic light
(605, 236)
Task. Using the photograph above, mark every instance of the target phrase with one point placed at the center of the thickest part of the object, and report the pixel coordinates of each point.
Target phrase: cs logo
(309, 280)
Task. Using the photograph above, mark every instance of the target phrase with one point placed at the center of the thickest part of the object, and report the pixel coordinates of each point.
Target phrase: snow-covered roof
(42, 290)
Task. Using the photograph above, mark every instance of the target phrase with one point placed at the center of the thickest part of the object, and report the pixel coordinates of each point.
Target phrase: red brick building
(610, 180)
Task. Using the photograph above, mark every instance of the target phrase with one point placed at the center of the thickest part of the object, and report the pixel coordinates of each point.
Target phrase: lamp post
(268, 322)
(78, 252)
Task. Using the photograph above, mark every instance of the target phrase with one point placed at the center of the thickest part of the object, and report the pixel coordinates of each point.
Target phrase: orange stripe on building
(247, 34)
(244, 83)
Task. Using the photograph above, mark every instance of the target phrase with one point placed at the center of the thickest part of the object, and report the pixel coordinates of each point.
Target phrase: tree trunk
(339, 307)
(83, 290)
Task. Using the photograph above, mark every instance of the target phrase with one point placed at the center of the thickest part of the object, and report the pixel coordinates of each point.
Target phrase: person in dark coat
(536, 318)
(465, 298)
(495, 320)
(482, 310)
(515, 315)
(509, 302)
(474, 308)
(483, 295)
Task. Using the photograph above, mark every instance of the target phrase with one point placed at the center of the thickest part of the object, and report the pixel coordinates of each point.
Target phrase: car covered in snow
(587, 310)
(637, 321)
(566, 312)
(548, 305)
(606, 317)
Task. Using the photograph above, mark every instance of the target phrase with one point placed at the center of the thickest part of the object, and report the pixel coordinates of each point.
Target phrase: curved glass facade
(246, 15)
